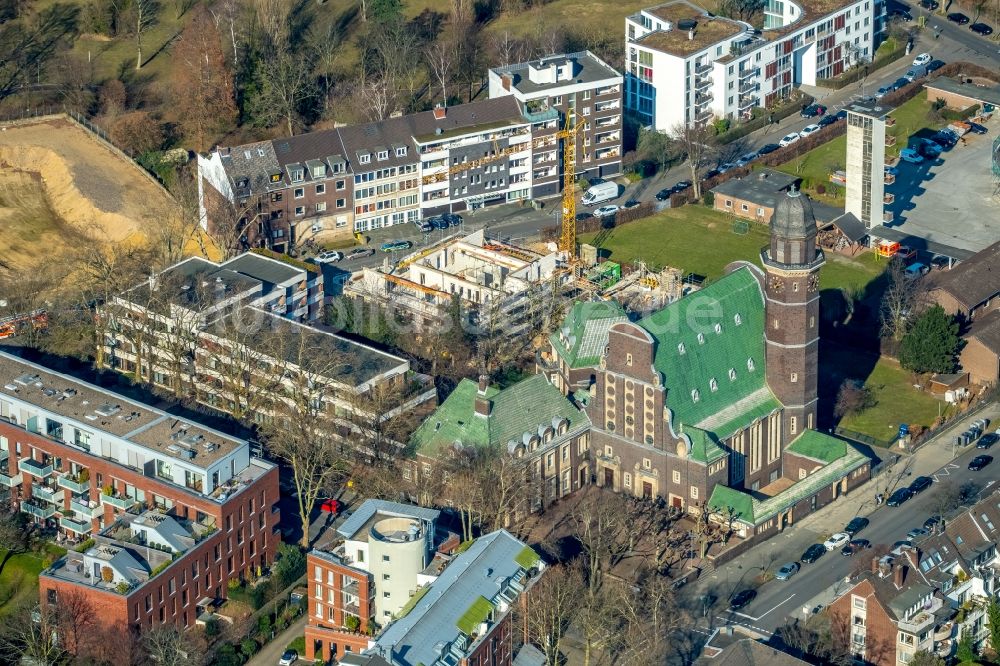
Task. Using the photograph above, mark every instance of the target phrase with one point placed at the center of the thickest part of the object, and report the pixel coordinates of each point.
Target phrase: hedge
(780, 113)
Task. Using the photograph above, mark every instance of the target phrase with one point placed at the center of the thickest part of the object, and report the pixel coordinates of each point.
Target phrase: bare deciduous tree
(167, 645)
(693, 140)
(551, 609)
(899, 302)
(77, 620)
(440, 59)
(143, 16)
(31, 633)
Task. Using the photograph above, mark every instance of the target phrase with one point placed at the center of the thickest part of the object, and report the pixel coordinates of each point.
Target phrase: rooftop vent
(107, 409)
(69, 393)
(27, 378)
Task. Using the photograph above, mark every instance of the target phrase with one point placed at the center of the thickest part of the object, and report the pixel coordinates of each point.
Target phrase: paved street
(270, 653)
(819, 583)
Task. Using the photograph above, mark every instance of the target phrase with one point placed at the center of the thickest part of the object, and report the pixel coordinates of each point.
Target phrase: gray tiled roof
(760, 187)
(431, 626)
(255, 162)
(975, 280)
(366, 511)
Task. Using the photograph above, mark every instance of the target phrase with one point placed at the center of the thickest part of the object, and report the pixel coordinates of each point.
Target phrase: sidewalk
(270, 653)
(860, 502)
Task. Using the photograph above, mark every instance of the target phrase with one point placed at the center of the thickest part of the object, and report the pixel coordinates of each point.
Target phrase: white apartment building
(686, 66)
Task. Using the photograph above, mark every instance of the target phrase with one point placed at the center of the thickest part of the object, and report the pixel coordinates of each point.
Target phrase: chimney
(506, 80)
(439, 112)
(483, 405)
(899, 575)
(691, 35)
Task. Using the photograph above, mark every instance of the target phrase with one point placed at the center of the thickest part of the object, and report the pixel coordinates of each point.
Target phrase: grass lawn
(897, 401)
(700, 240)
(816, 166)
(19, 579)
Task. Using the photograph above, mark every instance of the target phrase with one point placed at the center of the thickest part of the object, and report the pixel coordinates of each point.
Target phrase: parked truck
(960, 128)
(600, 193)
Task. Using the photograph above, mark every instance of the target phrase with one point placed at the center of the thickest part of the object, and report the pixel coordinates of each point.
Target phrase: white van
(600, 193)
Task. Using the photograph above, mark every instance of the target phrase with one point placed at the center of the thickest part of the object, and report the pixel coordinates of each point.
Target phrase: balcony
(606, 106)
(888, 199)
(606, 154)
(611, 137)
(37, 510)
(82, 508)
(943, 632)
(916, 624)
(890, 140)
(701, 70)
(702, 83)
(609, 122)
(123, 503)
(73, 525)
(69, 483)
(890, 179)
(750, 71)
(746, 102)
(48, 494)
(8, 481)
(541, 116)
(701, 99)
(703, 116)
(35, 468)
(749, 87)
(887, 216)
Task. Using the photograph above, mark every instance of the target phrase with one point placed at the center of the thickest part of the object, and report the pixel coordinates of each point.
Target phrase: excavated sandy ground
(88, 188)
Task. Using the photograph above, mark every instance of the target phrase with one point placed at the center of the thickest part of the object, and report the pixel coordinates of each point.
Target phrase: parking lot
(950, 200)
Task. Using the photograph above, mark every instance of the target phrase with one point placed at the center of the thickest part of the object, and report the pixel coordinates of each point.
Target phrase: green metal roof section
(476, 614)
(581, 340)
(704, 447)
(755, 511)
(710, 352)
(725, 498)
(517, 409)
(819, 446)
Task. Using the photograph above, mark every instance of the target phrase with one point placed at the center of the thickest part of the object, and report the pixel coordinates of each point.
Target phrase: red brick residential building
(175, 509)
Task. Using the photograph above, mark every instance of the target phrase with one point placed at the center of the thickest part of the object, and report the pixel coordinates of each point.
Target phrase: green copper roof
(581, 340)
(754, 511)
(725, 498)
(814, 444)
(518, 409)
(704, 447)
(710, 353)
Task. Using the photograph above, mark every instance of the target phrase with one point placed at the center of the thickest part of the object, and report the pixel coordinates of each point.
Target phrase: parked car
(898, 497)
(712, 173)
(882, 92)
(595, 181)
(981, 29)
(360, 253)
(837, 540)
(931, 522)
(945, 138)
(631, 203)
(288, 658)
(580, 217)
(424, 226)
(827, 120)
(742, 599)
(976, 128)
(841, 115)
(680, 186)
(787, 571)
(439, 222)
(900, 83)
(812, 111)
(606, 211)
(395, 246)
(891, 171)
(922, 59)
(901, 14)
(934, 65)
(902, 543)
(987, 440)
(913, 73)
(663, 194)
(813, 553)
(329, 256)
(857, 524)
(927, 148)
(930, 4)
(453, 219)
(916, 533)
(745, 159)
(726, 166)
(789, 139)
(920, 484)
(958, 17)
(767, 148)
(855, 546)
(979, 462)
(911, 156)
(809, 129)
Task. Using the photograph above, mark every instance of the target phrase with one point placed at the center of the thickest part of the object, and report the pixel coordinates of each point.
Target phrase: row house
(464, 615)
(929, 595)
(170, 510)
(233, 341)
(385, 552)
(686, 66)
(334, 183)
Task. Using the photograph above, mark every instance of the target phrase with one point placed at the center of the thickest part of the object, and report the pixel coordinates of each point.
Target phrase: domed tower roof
(793, 215)
(793, 230)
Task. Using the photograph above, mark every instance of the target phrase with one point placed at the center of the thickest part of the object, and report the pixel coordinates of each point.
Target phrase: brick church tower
(791, 263)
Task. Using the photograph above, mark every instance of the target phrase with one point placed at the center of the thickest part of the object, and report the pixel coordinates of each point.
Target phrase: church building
(710, 402)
